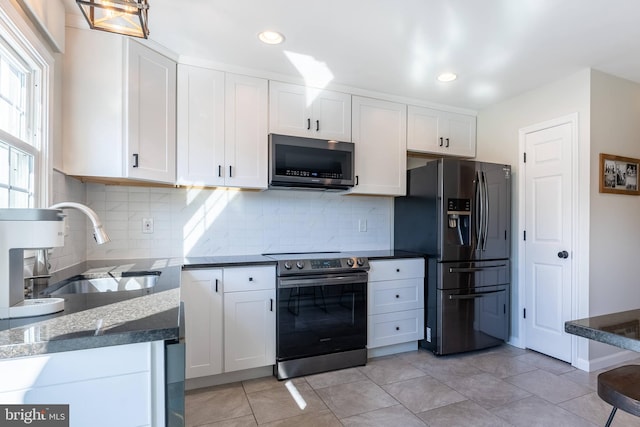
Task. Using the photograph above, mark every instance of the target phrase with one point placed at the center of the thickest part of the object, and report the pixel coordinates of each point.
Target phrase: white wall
(227, 222)
(498, 128)
(615, 230)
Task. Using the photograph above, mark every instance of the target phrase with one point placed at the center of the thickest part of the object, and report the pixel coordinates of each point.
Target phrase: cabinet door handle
(251, 279)
(441, 142)
(271, 303)
(309, 124)
(317, 125)
(357, 180)
(447, 143)
(135, 160)
(219, 171)
(216, 285)
(230, 172)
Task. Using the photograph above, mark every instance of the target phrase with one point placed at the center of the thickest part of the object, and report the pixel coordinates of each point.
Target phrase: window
(22, 142)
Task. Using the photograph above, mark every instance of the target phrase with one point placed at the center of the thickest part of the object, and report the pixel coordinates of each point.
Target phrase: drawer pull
(397, 270)
(397, 328)
(251, 279)
(397, 296)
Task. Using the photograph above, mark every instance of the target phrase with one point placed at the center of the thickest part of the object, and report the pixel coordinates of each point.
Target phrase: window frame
(19, 36)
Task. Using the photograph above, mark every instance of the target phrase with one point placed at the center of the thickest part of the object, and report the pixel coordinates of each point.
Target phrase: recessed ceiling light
(447, 77)
(271, 37)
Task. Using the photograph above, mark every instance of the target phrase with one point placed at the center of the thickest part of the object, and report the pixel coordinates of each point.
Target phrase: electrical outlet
(147, 225)
(362, 225)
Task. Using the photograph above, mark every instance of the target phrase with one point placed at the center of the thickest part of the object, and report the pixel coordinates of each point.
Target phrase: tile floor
(503, 386)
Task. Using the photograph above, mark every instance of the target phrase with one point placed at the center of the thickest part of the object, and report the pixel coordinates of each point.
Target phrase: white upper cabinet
(222, 129)
(119, 108)
(439, 132)
(200, 126)
(309, 112)
(151, 118)
(380, 137)
(246, 134)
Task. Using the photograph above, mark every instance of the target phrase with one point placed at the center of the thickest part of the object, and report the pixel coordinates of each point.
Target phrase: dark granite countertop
(101, 319)
(620, 329)
(223, 261)
(387, 254)
(113, 318)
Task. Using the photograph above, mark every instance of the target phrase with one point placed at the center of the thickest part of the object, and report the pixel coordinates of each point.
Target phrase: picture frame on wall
(619, 175)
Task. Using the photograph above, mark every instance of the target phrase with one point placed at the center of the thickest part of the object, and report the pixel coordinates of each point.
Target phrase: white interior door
(548, 252)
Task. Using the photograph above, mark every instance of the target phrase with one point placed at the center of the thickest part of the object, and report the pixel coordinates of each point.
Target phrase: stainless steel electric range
(321, 317)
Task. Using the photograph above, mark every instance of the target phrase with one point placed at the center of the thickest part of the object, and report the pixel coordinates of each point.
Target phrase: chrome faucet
(41, 266)
(99, 234)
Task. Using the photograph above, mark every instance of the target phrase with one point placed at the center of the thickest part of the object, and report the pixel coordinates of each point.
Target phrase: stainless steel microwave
(296, 162)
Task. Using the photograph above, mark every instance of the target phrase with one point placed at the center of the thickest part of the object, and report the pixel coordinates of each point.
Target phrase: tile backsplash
(214, 222)
(74, 251)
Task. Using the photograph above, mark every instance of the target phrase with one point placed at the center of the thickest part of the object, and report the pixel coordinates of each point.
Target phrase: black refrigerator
(458, 213)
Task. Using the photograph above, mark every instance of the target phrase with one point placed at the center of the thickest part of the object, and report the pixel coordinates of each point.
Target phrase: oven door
(320, 314)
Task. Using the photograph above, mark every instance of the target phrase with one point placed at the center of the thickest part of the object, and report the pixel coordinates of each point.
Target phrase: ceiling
(498, 48)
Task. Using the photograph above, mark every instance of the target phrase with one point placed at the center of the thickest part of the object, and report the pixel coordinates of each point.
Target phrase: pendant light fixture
(128, 17)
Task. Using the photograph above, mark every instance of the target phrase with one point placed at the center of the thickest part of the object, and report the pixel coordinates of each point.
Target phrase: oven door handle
(474, 296)
(322, 280)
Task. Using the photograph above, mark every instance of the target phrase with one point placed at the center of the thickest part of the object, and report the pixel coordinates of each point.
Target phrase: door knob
(563, 254)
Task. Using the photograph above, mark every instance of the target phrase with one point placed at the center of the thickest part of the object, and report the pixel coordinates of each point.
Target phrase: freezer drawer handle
(474, 296)
(474, 269)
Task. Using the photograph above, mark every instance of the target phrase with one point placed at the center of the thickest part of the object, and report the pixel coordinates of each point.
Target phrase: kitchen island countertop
(620, 329)
(101, 319)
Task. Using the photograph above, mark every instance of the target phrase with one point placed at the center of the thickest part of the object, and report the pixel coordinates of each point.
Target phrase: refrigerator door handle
(482, 209)
(478, 211)
(485, 230)
(475, 269)
(476, 295)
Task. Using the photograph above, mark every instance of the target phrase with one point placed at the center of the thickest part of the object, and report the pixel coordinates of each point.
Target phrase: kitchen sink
(105, 282)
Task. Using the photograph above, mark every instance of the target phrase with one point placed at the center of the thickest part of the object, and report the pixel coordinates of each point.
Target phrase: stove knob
(350, 262)
(300, 265)
(360, 262)
(287, 265)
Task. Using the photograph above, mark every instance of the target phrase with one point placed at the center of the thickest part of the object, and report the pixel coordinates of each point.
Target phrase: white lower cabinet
(230, 319)
(250, 336)
(395, 302)
(201, 293)
(120, 385)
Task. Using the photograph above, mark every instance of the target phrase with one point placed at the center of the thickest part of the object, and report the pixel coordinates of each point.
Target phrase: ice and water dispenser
(459, 219)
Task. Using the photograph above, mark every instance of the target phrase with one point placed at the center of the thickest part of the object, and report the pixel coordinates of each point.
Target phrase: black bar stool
(620, 387)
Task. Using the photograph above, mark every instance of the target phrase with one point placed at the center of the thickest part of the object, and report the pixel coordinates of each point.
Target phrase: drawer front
(395, 328)
(238, 279)
(395, 295)
(394, 269)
